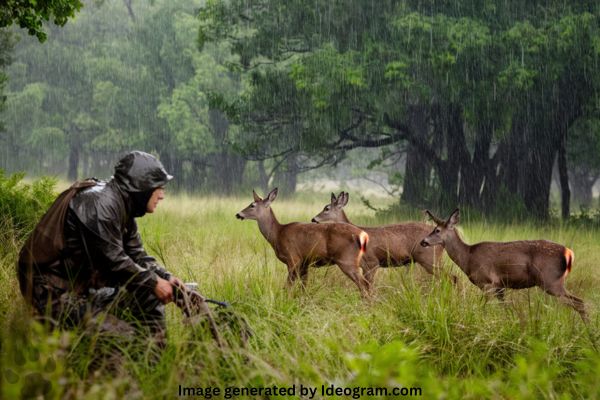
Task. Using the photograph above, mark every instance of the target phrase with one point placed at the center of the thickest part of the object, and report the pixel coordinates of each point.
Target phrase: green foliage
(117, 79)
(475, 89)
(32, 360)
(30, 14)
(393, 364)
(482, 79)
(22, 204)
(585, 218)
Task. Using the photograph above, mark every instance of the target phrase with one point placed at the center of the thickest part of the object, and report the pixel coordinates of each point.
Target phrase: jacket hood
(140, 172)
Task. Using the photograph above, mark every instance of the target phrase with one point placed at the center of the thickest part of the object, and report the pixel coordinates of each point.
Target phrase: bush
(585, 218)
(22, 205)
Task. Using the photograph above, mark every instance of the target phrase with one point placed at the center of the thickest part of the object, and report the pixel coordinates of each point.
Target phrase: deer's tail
(569, 257)
(362, 240)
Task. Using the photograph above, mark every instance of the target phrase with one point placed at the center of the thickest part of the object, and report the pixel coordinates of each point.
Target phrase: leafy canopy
(30, 14)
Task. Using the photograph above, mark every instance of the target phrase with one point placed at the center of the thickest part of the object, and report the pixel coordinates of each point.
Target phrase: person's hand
(163, 290)
(176, 282)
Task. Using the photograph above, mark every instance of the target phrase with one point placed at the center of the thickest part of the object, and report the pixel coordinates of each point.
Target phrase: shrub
(22, 204)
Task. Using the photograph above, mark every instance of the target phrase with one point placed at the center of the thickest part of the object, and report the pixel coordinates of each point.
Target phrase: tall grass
(450, 341)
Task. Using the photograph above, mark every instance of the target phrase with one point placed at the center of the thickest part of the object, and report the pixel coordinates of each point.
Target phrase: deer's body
(316, 245)
(496, 266)
(301, 245)
(398, 245)
(514, 265)
(390, 245)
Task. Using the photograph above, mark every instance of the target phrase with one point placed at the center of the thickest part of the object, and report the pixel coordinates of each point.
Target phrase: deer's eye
(253, 205)
(327, 208)
(437, 230)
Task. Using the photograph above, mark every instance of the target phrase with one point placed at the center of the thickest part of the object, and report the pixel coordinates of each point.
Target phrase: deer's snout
(314, 220)
(424, 243)
(239, 216)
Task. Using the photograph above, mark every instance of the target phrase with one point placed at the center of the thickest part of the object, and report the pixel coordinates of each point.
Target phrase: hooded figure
(100, 260)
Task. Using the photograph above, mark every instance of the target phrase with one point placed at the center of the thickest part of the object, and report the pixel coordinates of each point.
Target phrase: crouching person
(85, 262)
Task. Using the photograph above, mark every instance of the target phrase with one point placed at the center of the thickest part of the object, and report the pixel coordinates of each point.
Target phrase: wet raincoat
(101, 220)
(101, 246)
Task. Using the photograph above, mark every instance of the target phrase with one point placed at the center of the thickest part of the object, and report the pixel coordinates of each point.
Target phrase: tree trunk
(535, 185)
(416, 178)
(564, 180)
(474, 171)
(73, 161)
(228, 166)
(418, 166)
(227, 172)
(85, 164)
(582, 184)
(129, 9)
(263, 178)
(174, 167)
(287, 176)
(451, 127)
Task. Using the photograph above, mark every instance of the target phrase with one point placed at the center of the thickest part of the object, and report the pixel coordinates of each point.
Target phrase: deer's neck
(458, 251)
(269, 227)
(344, 218)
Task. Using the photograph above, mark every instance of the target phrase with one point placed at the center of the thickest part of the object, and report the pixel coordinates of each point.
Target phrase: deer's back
(520, 264)
(318, 241)
(397, 243)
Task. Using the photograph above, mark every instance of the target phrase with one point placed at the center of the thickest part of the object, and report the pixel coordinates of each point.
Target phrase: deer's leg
(430, 258)
(370, 268)
(493, 289)
(577, 304)
(293, 273)
(559, 291)
(369, 275)
(354, 272)
(435, 269)
(499, 293)
(304, 275)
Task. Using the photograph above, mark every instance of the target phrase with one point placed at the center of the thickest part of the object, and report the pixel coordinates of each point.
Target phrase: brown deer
(301, 245)
(389, 246)
(496, 266)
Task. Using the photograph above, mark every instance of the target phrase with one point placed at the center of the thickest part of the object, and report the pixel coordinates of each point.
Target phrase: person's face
(157, 195)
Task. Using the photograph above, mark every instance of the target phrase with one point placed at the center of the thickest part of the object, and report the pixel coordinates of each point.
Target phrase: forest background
(488, 105)
(470, 103)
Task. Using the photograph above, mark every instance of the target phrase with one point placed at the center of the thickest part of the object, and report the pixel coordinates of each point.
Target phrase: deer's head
(333, 210)
(259, 207)
(443, 229)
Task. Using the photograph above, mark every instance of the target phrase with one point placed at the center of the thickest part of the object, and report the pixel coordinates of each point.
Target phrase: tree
(30, 14)
(119, 78)
(583, 149)
(6, 48)
(477, 94)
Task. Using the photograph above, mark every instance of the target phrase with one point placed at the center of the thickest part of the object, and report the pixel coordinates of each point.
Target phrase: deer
(389, 246)
(301, 245)
(496, 266)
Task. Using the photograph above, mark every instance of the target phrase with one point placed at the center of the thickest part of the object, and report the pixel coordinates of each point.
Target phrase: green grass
(417, 331)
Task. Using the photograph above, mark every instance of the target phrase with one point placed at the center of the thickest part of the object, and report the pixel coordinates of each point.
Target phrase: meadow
(450, 342)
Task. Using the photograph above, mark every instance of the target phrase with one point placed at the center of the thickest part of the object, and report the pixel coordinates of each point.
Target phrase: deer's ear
(343, 199)
(256, 197)
(272, 196)
(454, 218)
(333, 198)
(434, 218)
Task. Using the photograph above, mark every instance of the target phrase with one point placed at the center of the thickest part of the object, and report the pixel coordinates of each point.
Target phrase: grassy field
(417, 332)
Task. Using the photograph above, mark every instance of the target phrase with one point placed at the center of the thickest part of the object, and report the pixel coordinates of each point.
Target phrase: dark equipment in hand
(196, 309)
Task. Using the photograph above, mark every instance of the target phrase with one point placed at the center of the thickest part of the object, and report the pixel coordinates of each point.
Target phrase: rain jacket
(102, 246)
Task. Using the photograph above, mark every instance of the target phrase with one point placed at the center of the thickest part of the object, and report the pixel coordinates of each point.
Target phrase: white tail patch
(569, 258)
(364, 240)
